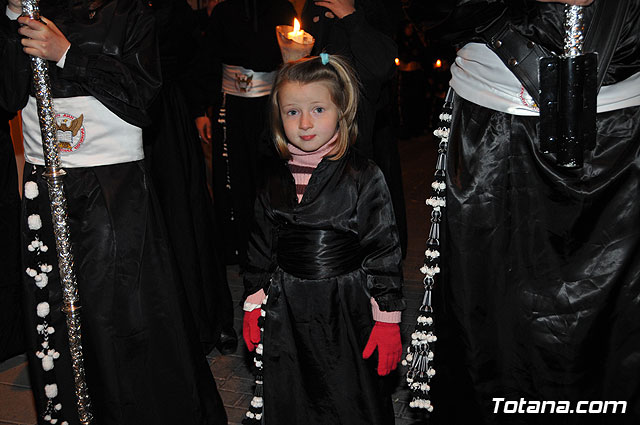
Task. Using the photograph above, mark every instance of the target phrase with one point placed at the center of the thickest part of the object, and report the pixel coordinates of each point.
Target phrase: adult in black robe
(541, 296)
(142, 357)
(363, 36)
(320, 261)
(11, 322)
(176, 164)
(242, 34)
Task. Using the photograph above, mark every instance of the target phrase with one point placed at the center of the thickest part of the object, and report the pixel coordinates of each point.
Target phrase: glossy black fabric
(542, 296)
(317, 253)
(315, 329)
(113, 57)
(176, 165)
(11, 323)
(144, 364)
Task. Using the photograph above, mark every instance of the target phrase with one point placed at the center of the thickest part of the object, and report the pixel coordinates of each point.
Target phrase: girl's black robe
(320, 261)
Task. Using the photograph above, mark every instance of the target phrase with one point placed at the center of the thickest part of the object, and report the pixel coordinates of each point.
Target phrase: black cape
(11, 324)
(320, 261)
(176, 165)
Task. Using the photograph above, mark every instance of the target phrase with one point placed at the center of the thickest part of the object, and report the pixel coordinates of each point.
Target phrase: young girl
(325, 250)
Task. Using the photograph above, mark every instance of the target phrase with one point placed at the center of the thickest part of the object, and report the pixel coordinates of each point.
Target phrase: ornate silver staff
(54, 174)
(568, 96)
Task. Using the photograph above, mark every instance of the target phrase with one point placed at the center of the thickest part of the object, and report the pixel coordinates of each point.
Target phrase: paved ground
(231, 373)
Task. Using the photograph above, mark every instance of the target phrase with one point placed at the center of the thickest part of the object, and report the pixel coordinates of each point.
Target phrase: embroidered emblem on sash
(70, 131)
(244, 82)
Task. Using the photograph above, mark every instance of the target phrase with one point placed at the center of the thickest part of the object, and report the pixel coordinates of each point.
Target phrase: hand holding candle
(294, 42)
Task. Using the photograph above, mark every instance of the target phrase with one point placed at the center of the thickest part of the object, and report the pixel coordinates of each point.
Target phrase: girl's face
(309, 116)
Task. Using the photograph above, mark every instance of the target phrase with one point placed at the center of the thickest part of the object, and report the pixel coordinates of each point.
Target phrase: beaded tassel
(222, 120)
(256, 408)
(420, 353)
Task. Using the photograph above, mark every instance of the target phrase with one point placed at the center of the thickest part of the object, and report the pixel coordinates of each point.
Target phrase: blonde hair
(344, 89)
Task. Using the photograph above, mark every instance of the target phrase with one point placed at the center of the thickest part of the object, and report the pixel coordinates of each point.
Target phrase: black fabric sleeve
(15, 69)
(126, 82)
(260, 250)
(380, 242)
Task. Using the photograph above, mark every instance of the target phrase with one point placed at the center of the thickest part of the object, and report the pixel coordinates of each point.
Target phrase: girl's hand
(15, 6)
(571, 2)
(250, 328)
(44, 39)
(339, 8)
(386, 338)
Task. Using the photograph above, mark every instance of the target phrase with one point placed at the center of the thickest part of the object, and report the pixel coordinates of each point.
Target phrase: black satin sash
(317, 253)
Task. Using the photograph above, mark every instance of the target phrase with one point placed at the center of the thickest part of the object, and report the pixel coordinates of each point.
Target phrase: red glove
(386, 337)
(250, 328)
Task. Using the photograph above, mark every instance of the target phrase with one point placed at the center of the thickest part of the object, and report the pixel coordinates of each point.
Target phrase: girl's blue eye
(292, 112)
(320, 109)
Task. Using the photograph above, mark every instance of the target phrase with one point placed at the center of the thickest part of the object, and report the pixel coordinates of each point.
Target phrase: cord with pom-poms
(420, 354)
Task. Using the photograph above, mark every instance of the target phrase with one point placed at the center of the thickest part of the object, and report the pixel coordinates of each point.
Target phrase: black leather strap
(521, 56)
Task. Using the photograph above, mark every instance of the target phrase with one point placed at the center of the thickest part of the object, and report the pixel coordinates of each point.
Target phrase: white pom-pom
(47, 363)
(39, 354)
(31, 190)
(41, 280)
(53, 421)
(58, 406)
(51, 390)
(34, 222)
(47, 418)
(42, 309)
(51, 330)
(30, 248)
(39, 328)
(56, 355)
(44, 248)
(31, 272)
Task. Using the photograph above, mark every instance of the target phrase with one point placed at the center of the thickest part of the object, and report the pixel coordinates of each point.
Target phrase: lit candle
(297, 34)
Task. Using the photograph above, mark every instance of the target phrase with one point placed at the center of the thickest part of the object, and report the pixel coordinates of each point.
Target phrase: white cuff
(60, 63)
(12, 15)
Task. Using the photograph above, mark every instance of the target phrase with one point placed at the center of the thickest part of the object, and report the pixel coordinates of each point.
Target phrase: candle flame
(438, 64)
(296, 25)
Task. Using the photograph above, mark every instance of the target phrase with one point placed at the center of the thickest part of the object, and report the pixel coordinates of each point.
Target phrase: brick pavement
(231, 372)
